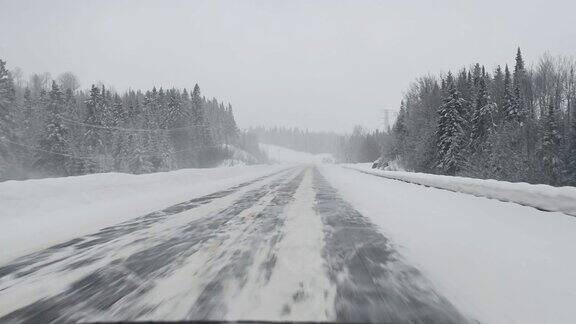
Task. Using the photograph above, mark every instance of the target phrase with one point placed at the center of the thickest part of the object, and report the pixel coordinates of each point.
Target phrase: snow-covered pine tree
(27, 113)
(231, 128)
(121, 150)
(521, 88)
(119, 113)
(53, 156)
(75, 133)
(149, 139)
(551, 143)
(465, 88)
(155, 142)
(185, 99)
(175, 116)
(133, 107)
(400, 130)
(478, 163)
(40, 112)
(481, 118)
(450, 133)
(165, 149)
(214, 118)
(497, 93)
(106, 114)
(570, 157)
(93, 139)
(176, 120)
(164, 157)
(197, 111)
(203, 136)
(69, 104)
(477, 74)
(8, 136)
(104, 109)
(510, 108)
(519, 66)
(139, 161)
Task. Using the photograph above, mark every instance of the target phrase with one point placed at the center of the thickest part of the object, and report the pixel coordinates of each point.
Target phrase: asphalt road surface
(281, 247)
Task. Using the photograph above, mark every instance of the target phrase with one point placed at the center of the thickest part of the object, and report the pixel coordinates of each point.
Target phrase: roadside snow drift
(36, 214)
(561, 199)
(498, 262)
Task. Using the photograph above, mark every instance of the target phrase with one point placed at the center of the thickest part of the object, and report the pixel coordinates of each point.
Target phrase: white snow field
(499, 262)
(562, 199)
(279, 154)
(38, 213)
(283, 246)
(269, 250)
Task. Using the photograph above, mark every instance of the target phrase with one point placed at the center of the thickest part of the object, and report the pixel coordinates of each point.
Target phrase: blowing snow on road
(378, 162)
(280, 246)
(302, 243)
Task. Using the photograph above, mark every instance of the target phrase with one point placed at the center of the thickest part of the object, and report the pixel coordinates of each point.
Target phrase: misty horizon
(323, 65)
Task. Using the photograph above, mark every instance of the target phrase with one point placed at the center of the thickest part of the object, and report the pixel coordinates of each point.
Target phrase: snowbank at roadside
(497, 262)
(281, 154)
(561, 199)
(36, 214)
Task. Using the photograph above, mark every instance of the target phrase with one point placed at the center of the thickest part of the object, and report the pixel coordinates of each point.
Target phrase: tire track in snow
(259, 231)
(234, 250)
(123, 279)
(297, 287)
(29, 264)
(198, 288)
(373, 283)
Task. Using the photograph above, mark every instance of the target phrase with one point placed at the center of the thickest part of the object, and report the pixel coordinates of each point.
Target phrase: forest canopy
(51, 128)
(513, 123)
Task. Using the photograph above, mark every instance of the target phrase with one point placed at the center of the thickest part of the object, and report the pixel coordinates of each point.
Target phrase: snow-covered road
(284, 246)
(296, 243)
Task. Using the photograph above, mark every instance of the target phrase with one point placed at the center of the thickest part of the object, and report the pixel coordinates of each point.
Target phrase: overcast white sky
(325, 65)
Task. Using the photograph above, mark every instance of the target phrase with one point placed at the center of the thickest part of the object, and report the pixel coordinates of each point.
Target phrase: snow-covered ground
(562, 199)
(281, 154)
(35, 214)
(500, 262)
(283, 247)
(299, 268)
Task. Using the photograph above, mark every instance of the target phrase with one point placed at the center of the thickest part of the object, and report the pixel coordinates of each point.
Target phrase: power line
(45, 151)
(96, 157)
(145, 130)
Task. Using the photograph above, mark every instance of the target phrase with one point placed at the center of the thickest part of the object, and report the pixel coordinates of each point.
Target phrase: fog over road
(284, 246)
